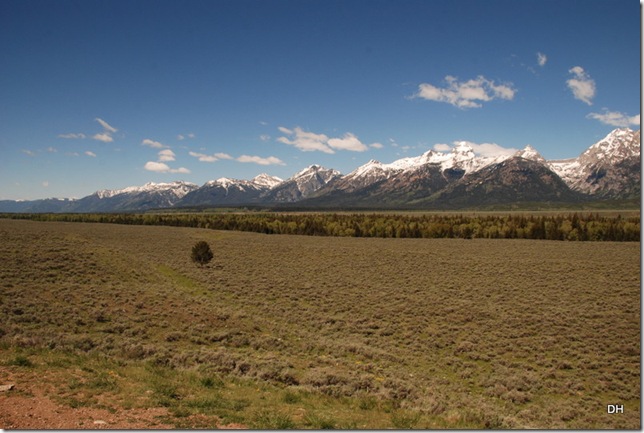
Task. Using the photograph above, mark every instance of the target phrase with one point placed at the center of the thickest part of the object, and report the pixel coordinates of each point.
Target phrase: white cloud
(376, 145)
(203, 157)
(28, 152)
(442, 147)
(210, 158)
(305, 141)
(271, 160)
(490, 149)
(468, 94)
(104, 137)
(106, 126)
(615, 118)
(482, 149)
(348, 142)
(310, 141)
(45, 183)
(166, 155)
(582, 86)
(90, 153)
(156, 166)
(542, 59)
(153, 144)
(51, 149)
(161, 167)
(264, 137)
(72, 136)
(181, 137)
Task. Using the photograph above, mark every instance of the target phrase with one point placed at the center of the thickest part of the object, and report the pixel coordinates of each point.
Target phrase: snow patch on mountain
(266, 181)
(177, 188)
(585, 172)
(531, 154)
(462, 157)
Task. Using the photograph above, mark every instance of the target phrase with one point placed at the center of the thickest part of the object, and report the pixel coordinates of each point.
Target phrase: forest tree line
(565, 227)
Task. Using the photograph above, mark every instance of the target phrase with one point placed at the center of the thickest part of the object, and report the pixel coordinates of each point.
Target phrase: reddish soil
(27, 407)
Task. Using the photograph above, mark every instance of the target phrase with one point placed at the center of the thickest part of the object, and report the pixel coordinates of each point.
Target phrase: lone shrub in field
(201, 253)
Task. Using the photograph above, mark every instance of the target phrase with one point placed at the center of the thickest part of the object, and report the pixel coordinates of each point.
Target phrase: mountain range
(608, 170)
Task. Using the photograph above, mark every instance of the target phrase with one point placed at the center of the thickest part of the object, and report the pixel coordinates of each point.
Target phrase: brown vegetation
(292, 331)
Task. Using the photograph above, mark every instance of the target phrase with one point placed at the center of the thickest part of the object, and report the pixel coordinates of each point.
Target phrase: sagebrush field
(282, 331)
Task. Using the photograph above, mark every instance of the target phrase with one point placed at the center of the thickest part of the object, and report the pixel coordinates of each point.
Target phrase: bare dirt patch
(27, 406)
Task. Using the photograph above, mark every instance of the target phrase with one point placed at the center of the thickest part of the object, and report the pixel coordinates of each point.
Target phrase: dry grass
(290, 331)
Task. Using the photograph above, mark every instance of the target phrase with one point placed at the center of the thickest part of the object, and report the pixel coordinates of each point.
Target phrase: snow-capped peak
(262, 181)
(267, 181)
(225, 181)
(530, 153)
(461, 156)
(315, 170)
(306, 171)
(617, 145)
(463, 148)
(178, 188)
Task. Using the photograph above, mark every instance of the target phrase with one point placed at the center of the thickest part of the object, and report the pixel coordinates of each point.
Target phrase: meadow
(287, 331)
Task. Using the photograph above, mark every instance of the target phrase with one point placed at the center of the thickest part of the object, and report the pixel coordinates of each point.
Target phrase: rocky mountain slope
(302, 185)
(225, 191)
(609, 169)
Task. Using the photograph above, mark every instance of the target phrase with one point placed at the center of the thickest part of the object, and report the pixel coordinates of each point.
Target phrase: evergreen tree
(201, 253)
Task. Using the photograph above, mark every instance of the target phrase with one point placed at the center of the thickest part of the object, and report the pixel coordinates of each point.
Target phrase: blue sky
(108, 94)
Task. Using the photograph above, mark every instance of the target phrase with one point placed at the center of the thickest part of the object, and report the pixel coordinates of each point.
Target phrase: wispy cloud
(106, 135)
(542, 59)
(210, 158)
(581, 85)
(271, 160)
(467, 94)
(28, 152)
(90, 153)
(153, 144)
(106, 126)
(182, 137)
(72, 136)
(161, 167)
(615, 118)
(310, 141)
